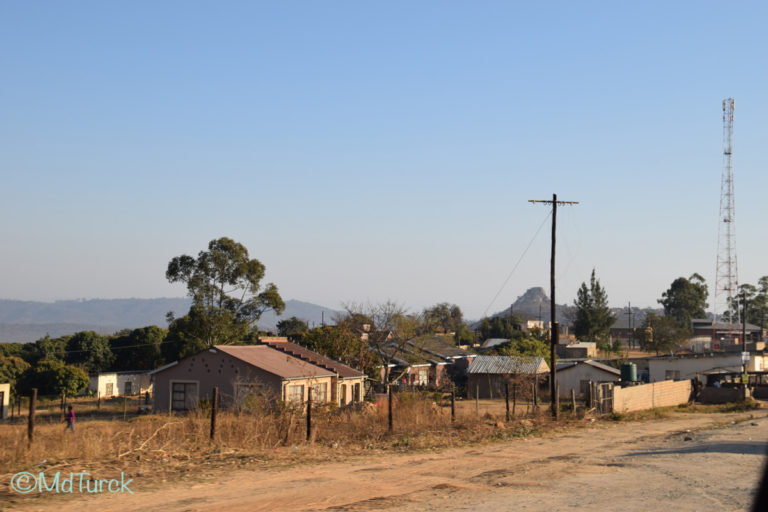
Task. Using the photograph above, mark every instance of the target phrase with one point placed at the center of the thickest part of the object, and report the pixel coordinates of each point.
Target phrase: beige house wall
(348, 393)
(648, 396)
(5, 403)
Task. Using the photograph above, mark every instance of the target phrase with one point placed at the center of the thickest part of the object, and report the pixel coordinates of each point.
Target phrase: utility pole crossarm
(550, 201)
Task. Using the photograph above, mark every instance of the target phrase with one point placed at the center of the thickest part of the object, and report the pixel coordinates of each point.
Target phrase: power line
(517, 264)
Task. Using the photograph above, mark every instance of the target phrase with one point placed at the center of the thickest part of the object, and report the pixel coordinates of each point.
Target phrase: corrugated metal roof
(274, 361)
(304, 353)
(508, 365)
(494, 342)
(594, 364)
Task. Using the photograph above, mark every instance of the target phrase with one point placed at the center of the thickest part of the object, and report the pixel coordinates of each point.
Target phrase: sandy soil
(628, 466)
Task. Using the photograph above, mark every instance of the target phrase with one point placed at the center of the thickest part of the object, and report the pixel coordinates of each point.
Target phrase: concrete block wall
(648, 396)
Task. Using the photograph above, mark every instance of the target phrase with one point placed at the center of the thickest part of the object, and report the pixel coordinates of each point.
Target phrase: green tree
(592, 316)
(685, 300)
(11, 368)
(499, 327)
(53, 378)
(227, 296)
(443, 316)
(45, 348)
(464, 335)
(342, 343)
(662, 334)
(294, 328)
(90, 351)
(138, 349)
(525, 346)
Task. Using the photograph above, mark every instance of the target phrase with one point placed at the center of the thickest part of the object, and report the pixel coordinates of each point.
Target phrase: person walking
(70, 419)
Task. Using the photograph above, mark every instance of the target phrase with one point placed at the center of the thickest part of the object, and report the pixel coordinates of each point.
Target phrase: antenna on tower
(726, 275)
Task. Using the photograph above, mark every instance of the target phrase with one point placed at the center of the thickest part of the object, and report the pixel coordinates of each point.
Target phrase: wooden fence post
(506, 397)
(31, 419)
(573, 400)
(214, 407)
(389, 406)
(453, 404)
(514, 398)
(535, 395)
(98, 400)
(309, 413)
(477, 399)
(125, 407)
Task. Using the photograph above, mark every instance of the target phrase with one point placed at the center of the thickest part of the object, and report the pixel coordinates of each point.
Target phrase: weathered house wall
(577, 378)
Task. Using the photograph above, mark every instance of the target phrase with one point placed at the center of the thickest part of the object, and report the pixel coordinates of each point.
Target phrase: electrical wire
(517, 264)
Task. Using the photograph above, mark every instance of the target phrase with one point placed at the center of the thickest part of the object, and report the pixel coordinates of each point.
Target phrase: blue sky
(365, 151)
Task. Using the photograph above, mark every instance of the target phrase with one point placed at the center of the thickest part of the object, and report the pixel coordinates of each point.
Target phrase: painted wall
(104, 385)
(5, 390)
(571, 378)
(648, 396)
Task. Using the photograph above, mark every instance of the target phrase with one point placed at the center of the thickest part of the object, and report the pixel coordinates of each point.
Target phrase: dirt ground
(685, 462)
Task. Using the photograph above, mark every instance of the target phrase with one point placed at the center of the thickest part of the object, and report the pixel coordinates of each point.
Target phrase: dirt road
(632, 466)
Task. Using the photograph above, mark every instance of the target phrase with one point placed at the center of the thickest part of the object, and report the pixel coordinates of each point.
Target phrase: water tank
(629, 372)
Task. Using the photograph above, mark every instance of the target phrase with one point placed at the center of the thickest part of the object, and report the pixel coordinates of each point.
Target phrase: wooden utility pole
(555, 327)
(389, 406)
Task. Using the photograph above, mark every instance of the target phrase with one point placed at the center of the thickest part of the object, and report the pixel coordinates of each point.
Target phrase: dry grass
(263, 432)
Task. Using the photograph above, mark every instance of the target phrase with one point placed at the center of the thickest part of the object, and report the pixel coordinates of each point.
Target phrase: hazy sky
(373, 150)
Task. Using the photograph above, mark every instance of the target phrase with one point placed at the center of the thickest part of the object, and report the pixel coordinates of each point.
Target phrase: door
(183, 396)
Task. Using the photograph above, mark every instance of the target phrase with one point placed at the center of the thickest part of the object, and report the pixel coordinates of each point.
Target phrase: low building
(5, 400)
(684, 367)
(134, 382)
(575, 376)
(578, 350)
(103, 385)
(238, 372)
(487, 375)
(347, 386)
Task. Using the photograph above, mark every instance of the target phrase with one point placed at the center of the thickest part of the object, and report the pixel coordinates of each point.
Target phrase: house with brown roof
(239, 371)
(348, 384)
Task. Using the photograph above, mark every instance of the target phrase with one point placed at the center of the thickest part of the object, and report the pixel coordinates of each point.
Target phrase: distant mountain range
(22, 321)
(534, 304)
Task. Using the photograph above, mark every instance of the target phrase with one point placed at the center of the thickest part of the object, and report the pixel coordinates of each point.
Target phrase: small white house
(103, 385)
(120, 383)
(134, 382)
(575, 376)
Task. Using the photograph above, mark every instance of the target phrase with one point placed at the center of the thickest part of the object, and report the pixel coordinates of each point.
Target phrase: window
(109, 389)
(183, 396)
(320, 393)
(295, 393)
(343, 394)
(423, 376)
(672, 375)
(127, 388)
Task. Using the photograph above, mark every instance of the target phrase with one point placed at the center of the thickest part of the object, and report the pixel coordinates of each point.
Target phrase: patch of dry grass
(262, 432)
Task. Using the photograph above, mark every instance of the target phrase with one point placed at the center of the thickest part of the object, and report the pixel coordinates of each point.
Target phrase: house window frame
(170, 393)
(294, 398)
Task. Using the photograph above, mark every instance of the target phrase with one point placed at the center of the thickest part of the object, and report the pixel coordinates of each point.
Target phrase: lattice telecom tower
(727, 275)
